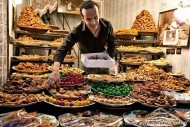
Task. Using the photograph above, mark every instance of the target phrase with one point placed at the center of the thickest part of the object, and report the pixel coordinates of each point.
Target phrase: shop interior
(147, 81)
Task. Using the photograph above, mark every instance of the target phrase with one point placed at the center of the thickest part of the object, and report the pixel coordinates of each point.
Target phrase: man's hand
(54, 79)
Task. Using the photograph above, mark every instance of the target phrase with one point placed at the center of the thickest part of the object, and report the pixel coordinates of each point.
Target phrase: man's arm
(66, 46)
(111, 42)
(54, 78)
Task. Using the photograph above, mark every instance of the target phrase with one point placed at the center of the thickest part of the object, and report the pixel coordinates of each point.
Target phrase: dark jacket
(87, 42)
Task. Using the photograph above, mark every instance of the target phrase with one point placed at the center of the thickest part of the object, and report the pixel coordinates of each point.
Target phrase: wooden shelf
(123, 67)
(135, 42)
(40, 36)
(125, 64)
(38, 61)
(28, 46)
(142, 52)
(174, 46)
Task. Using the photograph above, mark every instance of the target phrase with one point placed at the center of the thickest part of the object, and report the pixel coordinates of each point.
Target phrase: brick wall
(3, 41)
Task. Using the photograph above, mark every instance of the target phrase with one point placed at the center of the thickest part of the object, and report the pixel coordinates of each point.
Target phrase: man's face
(91, 17)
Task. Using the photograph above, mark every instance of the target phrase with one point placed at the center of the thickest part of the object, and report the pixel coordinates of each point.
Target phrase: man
(93, 34)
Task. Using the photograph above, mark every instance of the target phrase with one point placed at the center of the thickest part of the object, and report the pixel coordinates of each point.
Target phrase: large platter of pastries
(126, 33)
(68, 58)
(19, 85)
(112, 101)
(132, 76)
(105, 78)
(133, 60)
(111, 89)
(158, 118)
(29, 21)
(69, 103)
(29, 41)
(160, 62)
(56, 42)
(67, 69)
(130, 48)
(28, 67)
(26, 75)
(150, 94)
(33, 119)
(19, 100)
(145, 24)
(32, 58)
(153, 49)
(89, 119)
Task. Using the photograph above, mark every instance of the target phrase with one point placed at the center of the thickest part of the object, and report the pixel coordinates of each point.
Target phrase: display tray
(70, 107)
(147, 33)
(80, 84)
(155, 106)
(61, 97)
(130, 51)
(98, 78)
(17, 106)
(131, 63)
(28, 43)
(110, 94)
(160, 64)
(33, 29)
(111, 105)
(59, 31)
(27, 71)
(37, 58)
(157, 118)
(134, 114)
(125, 36)
(22, 91)
(66, 70)
(29, 121)
(25, 75)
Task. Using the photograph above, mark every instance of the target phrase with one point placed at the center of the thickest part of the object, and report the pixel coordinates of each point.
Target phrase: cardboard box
(105, 60)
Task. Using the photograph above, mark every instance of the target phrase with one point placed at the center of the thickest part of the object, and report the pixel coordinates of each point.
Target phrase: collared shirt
(87, 42)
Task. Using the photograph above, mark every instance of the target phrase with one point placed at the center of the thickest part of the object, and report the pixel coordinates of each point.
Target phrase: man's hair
(88, 5)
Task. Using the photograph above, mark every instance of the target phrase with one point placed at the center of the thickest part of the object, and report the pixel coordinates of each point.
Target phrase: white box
(99, 63)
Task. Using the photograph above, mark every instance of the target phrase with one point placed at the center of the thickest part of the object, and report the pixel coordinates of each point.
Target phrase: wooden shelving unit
(142, 43)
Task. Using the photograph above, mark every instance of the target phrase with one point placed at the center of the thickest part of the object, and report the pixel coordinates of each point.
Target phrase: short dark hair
(87, 5)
